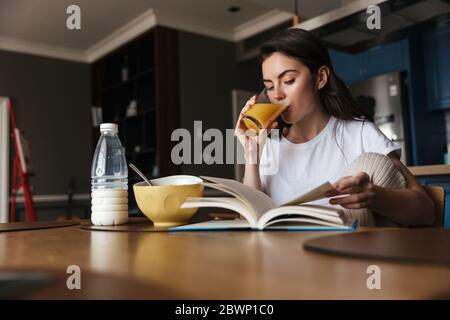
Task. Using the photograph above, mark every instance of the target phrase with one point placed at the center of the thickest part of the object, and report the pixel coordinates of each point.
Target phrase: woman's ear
(322, 77)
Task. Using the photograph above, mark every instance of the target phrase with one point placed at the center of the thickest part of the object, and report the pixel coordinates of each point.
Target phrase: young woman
(322, 132)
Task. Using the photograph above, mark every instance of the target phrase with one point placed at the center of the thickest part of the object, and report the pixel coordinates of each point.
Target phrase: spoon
(132, 166)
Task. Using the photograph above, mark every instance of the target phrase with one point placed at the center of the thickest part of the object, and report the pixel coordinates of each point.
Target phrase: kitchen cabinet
(383, 59)
(136, 86)
(345, 65)
(437, 67)
(375, 61)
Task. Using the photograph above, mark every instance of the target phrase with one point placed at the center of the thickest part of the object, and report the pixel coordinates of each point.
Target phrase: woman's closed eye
(289, 82)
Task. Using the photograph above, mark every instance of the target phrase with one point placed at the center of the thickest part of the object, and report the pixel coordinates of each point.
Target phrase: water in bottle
(109, 179)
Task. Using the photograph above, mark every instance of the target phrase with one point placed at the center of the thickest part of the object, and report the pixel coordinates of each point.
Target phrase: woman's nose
(279, 95)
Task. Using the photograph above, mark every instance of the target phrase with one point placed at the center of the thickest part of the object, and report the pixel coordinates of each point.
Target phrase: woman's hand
(359, 188)
(251, 142)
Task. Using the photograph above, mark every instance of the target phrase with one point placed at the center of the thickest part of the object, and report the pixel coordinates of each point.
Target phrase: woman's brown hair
(304, 46)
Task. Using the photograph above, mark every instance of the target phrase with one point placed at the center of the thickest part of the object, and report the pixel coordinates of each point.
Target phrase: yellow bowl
(161, 202)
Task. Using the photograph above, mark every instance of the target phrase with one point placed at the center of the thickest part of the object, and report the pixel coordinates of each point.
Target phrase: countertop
(438, 169)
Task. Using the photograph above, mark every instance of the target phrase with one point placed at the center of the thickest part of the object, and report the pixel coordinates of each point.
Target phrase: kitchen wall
(248, 75)
(51, 100)
(206, 71)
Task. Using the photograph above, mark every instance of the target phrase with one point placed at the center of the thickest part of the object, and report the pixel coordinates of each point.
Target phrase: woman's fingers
(349, 190)
(248, 104)
(358, 180)
(262, 136)
(332, 193)
(345, 183)
(359, 205)
(353, 199)
(239, 124)
(358, 187)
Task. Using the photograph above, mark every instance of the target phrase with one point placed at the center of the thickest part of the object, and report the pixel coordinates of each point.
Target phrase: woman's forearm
(251, 176)
(404, 206)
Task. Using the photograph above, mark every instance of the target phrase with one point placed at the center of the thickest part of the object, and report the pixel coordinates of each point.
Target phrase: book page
(305, 224)
(235, 224)
(228, 191)
(257, 200)
(315, 194)
(221, 202)
(319, 213)
(332, 214)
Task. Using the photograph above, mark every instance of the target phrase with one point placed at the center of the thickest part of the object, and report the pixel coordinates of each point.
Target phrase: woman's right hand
(251, 142)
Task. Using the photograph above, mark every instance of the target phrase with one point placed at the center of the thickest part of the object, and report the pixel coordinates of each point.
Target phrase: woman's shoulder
(359, 129)
(357, 125)
(370, 136)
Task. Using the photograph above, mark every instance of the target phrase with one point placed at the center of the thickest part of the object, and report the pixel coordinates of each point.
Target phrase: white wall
(4, 160)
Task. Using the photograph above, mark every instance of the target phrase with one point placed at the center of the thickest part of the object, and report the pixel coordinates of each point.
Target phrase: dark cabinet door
(378, 60)
(383, 59)
(437, 68)
(347, 66)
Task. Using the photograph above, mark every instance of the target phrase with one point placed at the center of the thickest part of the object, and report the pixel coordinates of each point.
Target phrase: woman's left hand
(359, 188)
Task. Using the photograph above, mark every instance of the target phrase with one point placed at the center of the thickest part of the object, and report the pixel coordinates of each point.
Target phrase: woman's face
(289, 82)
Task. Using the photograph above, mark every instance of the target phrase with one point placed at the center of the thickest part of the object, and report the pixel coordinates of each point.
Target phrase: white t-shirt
(298, 168)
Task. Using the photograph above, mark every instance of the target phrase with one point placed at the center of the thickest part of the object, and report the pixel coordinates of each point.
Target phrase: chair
(437, 194)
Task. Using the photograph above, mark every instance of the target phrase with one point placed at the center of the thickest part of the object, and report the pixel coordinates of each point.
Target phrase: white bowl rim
(194, 180)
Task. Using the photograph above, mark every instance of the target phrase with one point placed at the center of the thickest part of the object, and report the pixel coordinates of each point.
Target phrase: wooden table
(209, 265)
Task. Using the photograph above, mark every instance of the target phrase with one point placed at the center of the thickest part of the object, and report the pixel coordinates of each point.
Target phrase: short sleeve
(374, 140)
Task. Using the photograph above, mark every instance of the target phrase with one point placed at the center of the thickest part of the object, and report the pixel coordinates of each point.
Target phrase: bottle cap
(109, 127)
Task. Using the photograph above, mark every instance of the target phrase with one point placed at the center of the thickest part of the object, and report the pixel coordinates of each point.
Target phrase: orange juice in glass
(261, 115)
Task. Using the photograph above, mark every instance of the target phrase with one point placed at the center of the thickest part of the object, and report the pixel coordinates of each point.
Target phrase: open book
(261, 213)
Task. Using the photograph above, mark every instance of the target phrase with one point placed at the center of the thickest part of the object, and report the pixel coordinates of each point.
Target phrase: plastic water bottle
(109, 179)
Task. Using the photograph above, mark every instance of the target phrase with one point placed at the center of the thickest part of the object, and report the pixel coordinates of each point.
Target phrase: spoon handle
(132, 166)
